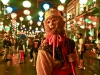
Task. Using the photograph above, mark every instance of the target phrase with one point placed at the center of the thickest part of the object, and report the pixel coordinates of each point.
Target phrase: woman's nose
(51, 25)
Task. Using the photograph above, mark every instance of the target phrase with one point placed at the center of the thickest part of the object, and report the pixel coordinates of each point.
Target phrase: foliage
(96, 11)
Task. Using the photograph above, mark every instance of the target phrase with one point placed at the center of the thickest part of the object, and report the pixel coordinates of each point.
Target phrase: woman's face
(52, 22)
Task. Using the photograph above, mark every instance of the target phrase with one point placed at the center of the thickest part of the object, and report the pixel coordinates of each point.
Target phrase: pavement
(12, 67)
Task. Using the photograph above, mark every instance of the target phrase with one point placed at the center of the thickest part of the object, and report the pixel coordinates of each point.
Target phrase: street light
(21, 19)
(9, 9)
(30, 22)
(46, 6)
(62, 1)
(63, 8)
(41, 13)
(60, 7)
(82, 1)
(13, 15)
(39, 23)
(26, 12)
(29, 17)
(26, 4)
(5, 2)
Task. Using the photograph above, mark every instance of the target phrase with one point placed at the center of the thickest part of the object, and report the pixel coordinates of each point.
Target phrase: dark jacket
(36, 44)
(20, 46)
(6, 43)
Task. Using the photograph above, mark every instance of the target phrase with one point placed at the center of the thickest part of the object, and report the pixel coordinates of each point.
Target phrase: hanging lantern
(86, 20)
(21, 19)
(60, 7)
(28, 17)
(62, 1)
(41, 13)
(26, 12)
(68, 15)
(36, 29)
(9, 9)
(39, 23)
(30, 27)
(26, 4)
(46, 6)
(23, 26)
(94, 0)
(82, 1)
(41, 18)
(31, 22)
(13, 15)
(5, 2)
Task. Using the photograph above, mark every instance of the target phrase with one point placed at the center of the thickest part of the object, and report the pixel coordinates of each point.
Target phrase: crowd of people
(23, 47)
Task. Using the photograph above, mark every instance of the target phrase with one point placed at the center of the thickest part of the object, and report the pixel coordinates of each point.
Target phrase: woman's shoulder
(70, 41)
(70, 44)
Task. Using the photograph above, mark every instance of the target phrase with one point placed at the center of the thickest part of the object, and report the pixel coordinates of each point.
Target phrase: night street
(12, 67)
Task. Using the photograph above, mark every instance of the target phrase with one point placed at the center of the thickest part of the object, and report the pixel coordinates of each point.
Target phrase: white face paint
(52, 22)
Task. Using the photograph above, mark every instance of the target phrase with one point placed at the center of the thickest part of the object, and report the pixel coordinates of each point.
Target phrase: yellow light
(13, 15)
(26, 12)
(60, 8)
(26, 4)
(62, 1)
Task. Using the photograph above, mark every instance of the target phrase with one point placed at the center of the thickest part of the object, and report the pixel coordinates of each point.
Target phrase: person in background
(36, 44)
(56, 52)
(96, 49)
(81, 50)
(6, 44)
(21, 51)
(12, 49)
(30, 50)
(25, 45)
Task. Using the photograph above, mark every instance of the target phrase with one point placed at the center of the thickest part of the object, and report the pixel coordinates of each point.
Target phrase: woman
(56, 51)
(21, 51)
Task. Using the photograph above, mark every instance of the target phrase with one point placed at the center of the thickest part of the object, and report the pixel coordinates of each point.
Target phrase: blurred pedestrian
(81, 50)
(6, 44)
(12, 49)
(21, 51)
(96, 49)
(36, 44)
(30, 50)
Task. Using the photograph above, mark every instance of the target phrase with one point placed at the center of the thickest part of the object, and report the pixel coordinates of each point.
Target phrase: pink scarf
(57, 40)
